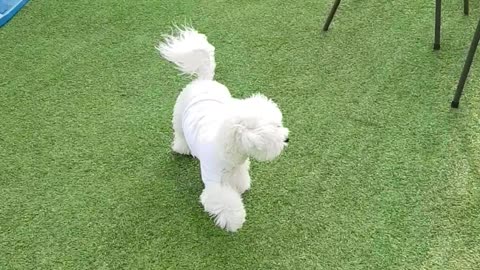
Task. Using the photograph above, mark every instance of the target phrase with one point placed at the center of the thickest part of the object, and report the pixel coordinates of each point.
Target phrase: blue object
(8, 9)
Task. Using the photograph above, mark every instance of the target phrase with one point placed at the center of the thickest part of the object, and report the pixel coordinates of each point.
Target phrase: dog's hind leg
(239, 178)
(179, 144)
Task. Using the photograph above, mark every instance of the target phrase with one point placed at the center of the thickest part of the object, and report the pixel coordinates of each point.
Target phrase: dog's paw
(180, 147)
(230, 219)
(225, 205)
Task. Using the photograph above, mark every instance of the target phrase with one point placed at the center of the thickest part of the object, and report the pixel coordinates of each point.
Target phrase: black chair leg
(330, 16)
(465, 7)
(466, 68)
(438, 15)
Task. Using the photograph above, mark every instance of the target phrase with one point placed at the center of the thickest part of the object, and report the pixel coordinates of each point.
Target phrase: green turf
(379, 174)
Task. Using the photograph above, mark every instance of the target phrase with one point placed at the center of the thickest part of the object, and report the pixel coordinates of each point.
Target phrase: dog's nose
(286, 140)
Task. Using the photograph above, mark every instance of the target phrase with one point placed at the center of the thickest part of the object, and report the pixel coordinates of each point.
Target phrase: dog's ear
(248, 138)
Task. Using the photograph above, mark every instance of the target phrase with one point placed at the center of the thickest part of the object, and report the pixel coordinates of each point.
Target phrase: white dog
(221, 131)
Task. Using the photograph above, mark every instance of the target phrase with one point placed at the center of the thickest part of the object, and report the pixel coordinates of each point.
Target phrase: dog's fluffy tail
(190, 52)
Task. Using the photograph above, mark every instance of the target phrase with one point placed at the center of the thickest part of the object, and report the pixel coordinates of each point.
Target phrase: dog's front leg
(239, 178)
(225, 205)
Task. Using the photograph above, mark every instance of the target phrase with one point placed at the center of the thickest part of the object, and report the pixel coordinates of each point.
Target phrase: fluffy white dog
(221, 131)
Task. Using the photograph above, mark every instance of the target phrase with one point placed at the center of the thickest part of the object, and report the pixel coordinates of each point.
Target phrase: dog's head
(259, 129)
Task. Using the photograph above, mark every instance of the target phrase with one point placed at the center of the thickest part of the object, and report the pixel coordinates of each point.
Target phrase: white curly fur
(221, 131)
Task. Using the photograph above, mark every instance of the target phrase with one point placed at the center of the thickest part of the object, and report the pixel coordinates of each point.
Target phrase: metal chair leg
(330, 16)
(465, 7)
(466, 68)
(438, 15)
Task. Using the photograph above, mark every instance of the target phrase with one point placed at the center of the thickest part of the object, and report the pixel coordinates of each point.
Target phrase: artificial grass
(379, 174)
